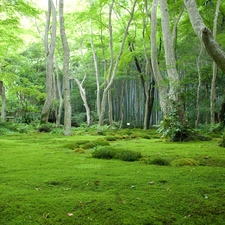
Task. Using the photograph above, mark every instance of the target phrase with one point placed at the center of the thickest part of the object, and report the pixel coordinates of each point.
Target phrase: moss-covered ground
(45, 181)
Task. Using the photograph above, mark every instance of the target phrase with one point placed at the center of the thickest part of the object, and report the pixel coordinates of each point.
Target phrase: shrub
(44, 128)
(104, 153)
(127, 155)
(222, 141)
(159, 161)
(184, 162)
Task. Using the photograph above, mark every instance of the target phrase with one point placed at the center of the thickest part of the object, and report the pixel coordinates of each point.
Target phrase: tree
(215, 70)
(66, 80)
(49, 50)
(205, 35)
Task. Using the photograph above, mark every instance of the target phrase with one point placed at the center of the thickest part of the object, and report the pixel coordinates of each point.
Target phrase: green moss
(184, 162)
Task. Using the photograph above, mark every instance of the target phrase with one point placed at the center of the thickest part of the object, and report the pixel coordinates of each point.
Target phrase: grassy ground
(45, 182)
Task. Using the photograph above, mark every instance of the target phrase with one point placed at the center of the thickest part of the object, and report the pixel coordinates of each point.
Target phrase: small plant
(104, 153)
(127, 155)
(173, 129)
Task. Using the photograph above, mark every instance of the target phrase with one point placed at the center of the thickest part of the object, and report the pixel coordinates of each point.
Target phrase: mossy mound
(184, 162)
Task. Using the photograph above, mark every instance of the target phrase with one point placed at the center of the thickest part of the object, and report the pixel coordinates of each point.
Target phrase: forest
(112, 112)
(113, 63)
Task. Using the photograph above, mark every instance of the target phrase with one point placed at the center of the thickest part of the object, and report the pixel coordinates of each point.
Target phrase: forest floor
(45, 181)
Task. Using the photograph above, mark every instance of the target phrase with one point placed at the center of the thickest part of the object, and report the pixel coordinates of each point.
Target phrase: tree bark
(169, 54)
(49, 49)
(161, 84)
(199, 88)
(2, 93)
(215, 70)
(66, 80)
(205, 35)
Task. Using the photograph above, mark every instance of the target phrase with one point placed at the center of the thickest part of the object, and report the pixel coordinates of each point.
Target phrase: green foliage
(46, 128)
(173, 129)
(222, 141)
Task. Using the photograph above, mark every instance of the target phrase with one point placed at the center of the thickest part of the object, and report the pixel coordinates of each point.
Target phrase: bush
(44, 128)
(222, 141)
(104, 153)
(127, 155)
(160, 162)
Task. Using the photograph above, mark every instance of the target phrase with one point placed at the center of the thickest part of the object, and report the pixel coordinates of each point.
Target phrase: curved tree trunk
(49, 49)
(66, 80)
(204, 34)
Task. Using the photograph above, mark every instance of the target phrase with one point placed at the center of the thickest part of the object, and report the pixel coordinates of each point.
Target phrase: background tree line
(115, 63)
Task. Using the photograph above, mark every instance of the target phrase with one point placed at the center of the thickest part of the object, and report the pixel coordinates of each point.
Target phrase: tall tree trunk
(204, 34)
(199, 88)
(66, 80)
(161, 84)
(170, 60)
(49, 49)
(215, 70)
(58, 95)
(2, 93)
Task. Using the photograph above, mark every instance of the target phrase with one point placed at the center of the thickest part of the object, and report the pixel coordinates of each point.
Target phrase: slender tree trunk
(58, 95)
(170, 59)
(199, 88)
(2, 93)
(84, 99)
(204, 34)
(66, 80)
(161, 84)
(215, 70)
(49, 49)
(97, 76)
(110, 108)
